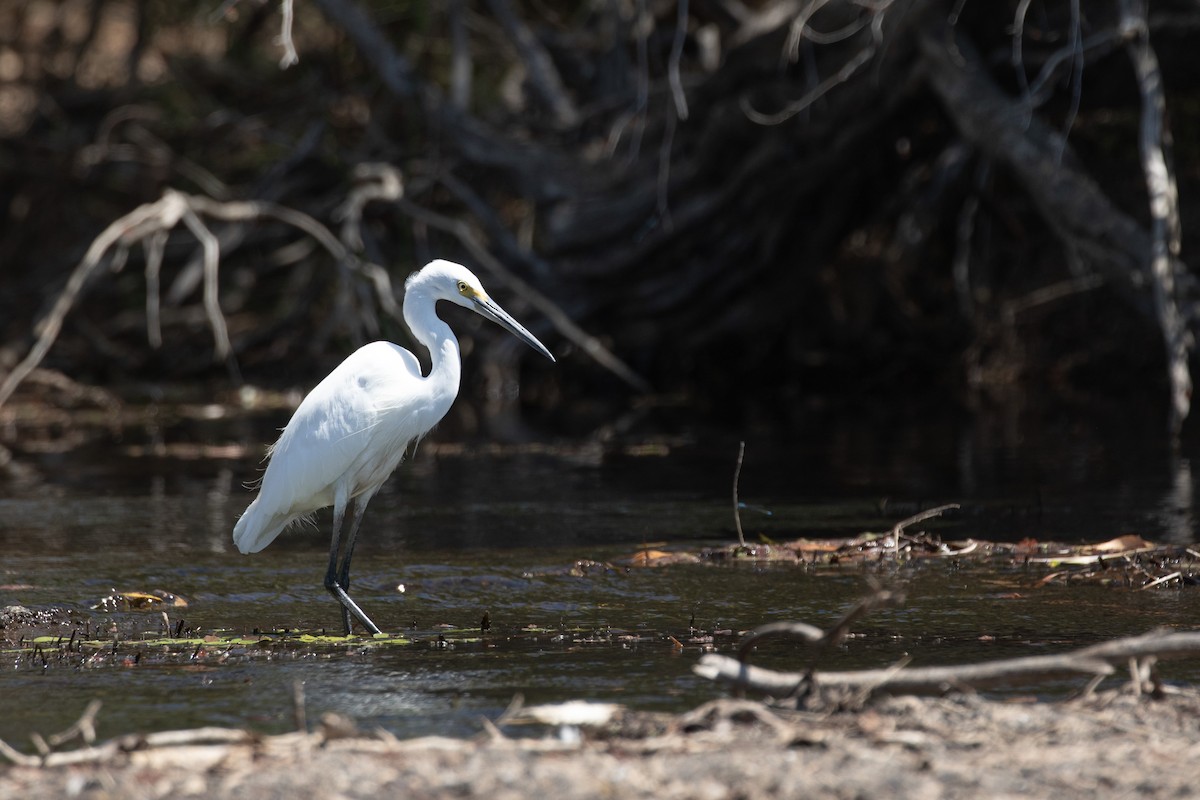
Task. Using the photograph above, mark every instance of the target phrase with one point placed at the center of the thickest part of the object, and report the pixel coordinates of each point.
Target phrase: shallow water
(469, 530)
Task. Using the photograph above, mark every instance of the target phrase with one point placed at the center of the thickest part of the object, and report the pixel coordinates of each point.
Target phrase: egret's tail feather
(255, 529)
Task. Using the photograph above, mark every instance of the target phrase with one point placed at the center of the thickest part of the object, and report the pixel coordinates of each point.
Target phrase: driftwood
(1095, 660)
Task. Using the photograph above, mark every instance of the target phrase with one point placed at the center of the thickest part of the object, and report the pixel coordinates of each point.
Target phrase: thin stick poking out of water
(737, 513)
(298, 709)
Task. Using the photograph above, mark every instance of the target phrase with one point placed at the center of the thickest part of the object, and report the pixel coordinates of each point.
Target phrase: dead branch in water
(824, 640)
(737, 513)
(1095, 660)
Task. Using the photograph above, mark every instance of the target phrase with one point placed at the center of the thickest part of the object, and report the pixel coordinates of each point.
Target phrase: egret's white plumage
(347, 436)
(351, 431)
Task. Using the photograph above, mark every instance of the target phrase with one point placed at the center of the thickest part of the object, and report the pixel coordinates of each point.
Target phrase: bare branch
(845, 73)
(290, 56)
(150, 223)
(1018, 44)
(374, 181)
(799, 28)
(162, 214)
(212, 260)
(154, 246)
(921, 516)
(1154, 142)
(681, 21)
(84, 728)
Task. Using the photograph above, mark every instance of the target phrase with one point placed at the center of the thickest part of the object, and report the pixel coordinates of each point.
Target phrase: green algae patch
(155, 648)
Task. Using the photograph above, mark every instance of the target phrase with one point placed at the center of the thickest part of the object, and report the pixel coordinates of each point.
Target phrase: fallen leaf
(1121, 544)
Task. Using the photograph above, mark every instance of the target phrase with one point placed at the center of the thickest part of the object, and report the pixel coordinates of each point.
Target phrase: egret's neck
(435, 335)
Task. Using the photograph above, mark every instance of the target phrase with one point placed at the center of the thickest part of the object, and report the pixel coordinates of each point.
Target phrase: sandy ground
(1105, 745)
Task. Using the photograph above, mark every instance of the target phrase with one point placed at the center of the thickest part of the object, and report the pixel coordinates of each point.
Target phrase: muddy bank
(1109, 744)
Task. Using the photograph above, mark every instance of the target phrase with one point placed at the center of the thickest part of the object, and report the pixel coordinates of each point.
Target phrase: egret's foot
(349, 607)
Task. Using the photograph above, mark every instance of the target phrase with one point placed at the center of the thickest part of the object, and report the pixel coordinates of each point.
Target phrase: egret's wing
(336, 427)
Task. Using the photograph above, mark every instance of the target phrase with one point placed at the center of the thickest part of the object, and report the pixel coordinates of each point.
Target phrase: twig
(186, 737)
(1162, 580)
(798, 29)
(964, 231)
(921, 516)
(880, 598)
(290, 56)
(1017, 36)
(84, 727)
(15, 756)
(212, 260)
(1052, 293)
(845, 73)
(737, 473)
(681, 21)
(1075, 46)
(842, 75)
(778, 630)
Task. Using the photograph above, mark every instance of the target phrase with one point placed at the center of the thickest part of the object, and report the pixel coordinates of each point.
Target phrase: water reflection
(1177, 516)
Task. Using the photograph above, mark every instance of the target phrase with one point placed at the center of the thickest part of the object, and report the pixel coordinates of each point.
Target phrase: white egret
(351, 431)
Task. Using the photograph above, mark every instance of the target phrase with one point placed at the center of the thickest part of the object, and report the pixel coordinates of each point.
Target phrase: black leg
(360, 508)
(335, 586)
(343, 580)
(339, 513)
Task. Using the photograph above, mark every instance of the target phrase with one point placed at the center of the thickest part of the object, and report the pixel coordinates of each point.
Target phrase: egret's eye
(463, 289)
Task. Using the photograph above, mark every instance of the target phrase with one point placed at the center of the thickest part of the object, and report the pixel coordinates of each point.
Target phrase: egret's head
(445, 280)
